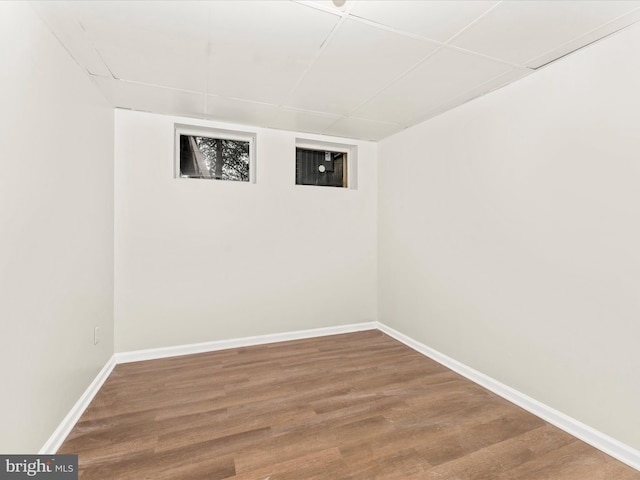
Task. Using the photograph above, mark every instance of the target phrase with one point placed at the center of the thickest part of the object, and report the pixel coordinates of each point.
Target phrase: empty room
(320, 239)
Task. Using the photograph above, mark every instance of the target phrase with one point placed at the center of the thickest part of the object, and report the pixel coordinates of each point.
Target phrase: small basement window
(325, 165)
(214, 154)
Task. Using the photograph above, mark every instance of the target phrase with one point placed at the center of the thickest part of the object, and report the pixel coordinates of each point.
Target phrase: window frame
(217, 133)
(351, 159)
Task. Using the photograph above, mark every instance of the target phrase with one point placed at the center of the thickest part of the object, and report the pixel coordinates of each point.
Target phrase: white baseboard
(597, 439)
(55, 440)
(593, 437)
(164, 352)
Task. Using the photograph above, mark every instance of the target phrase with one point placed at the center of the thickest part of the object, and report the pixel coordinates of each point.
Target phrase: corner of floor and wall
(499, 236)
(508, 235)
(56, 247)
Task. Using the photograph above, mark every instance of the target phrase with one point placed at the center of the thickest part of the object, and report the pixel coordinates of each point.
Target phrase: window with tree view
(213, 157)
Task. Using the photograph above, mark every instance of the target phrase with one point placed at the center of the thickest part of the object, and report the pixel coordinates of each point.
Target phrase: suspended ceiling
(360, 69)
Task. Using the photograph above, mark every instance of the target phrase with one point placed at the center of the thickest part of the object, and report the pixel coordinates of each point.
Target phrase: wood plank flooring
(359, 406)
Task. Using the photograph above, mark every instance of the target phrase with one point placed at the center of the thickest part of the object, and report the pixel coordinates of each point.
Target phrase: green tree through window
(208, 157)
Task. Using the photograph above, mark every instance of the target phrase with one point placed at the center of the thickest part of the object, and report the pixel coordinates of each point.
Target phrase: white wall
(509, 235)
(56, 215)
(202, 260)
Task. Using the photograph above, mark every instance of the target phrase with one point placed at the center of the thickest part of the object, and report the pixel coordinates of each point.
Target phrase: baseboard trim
(55, 441)
(64, 428)
(165, 352)
(593, 437)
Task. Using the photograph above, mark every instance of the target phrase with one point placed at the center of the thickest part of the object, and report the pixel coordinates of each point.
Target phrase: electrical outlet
(96, 335)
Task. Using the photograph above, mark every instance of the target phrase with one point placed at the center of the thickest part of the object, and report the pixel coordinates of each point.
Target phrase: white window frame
(219, 133)
(350, 150)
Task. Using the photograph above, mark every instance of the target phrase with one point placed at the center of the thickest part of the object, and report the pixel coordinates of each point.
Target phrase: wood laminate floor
(359, 406)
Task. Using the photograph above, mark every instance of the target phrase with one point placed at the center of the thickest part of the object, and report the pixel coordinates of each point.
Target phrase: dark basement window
(323, 168)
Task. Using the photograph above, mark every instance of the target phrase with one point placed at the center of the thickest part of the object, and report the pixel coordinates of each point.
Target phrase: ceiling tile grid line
(351, 113)
(469, 96)
(480, 17)
(324, 6)
(611, 27)
(407, 72)
(359, 68)
(397, 31)
(262, 49)
(322, 48)
(436, 20)
(163, 87)
(518, 31)
(357, 62)
(214, 96)
(67, 30)
(446, 44)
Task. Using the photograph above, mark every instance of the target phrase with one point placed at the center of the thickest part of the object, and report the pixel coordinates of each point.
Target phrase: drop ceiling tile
(150, 98)
(362, 128)
(437, 20)
(302, 120)
(337, 6)
(259, 50)
(357, 63)
(592, 36)
(445, 76)
(240, 111)
(518, 31)
(250, 55)
(470, 95)
(59, 18)
(158, 43)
